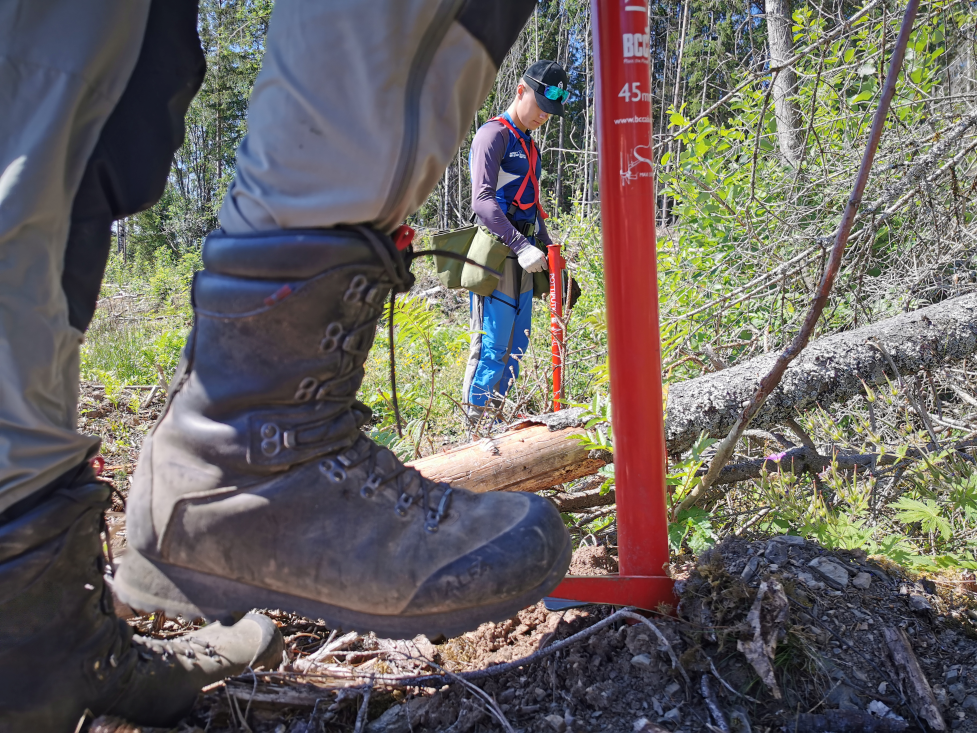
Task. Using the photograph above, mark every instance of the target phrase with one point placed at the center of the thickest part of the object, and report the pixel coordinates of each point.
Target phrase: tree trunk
(786, 109)
(539, 453)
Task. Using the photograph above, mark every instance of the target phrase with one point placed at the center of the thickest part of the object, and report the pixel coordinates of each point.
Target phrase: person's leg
(519, 342)
(62, 650)
(498, 316)
(256, 487)
(476, 314)
(495, 318)
(360, 105)
(63, 67)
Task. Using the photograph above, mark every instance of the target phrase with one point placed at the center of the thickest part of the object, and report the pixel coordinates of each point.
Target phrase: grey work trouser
(357, 110)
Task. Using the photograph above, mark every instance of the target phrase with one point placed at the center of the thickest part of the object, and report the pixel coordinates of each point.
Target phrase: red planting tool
(556, 263)
(621, 37)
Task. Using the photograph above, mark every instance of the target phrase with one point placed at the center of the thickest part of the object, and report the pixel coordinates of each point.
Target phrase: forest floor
(826, 624)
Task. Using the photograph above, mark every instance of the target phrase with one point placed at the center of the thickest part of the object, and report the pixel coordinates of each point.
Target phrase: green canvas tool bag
(478, 245)
(449, 271)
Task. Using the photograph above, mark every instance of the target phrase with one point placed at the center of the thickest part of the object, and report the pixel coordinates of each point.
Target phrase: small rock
(672, 716)
(929, 586)
(644, 725)
(862, 581)
(844, 698)
(882, 688)
(830, 571)
(539, 693)
(958, 691)
(394, 720)
(789, 539)
(739, 721)
(556, 722)
(881, 710)
(776, 552)
(920, 604)
(672, 688)
(952, 674)
(750, 569)
(642, 661)
(970, 705)
(808, 580)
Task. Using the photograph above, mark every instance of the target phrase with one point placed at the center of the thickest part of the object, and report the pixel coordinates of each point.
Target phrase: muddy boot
(257, 488)
(62, 649)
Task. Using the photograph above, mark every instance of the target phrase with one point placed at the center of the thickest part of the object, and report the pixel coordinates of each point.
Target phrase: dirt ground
(771, 633)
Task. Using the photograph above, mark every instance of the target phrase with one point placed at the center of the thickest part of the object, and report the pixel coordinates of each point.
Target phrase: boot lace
(434, 498)
(411, 487)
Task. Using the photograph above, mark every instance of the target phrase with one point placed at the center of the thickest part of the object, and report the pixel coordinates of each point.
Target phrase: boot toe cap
(527, 559)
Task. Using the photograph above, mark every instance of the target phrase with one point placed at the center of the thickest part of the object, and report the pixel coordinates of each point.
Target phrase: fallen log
(528, 457)
(538, 452)
(827, 371)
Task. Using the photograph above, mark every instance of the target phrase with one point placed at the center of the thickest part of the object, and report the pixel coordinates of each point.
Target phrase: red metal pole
(624, 106)
(628, 230)
(556, 264)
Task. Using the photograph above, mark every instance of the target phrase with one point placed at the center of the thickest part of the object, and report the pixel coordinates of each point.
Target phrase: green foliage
(693, 528)
(139, 331)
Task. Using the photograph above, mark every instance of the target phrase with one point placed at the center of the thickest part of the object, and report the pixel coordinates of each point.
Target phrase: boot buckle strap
(274, 439)
(278, 439)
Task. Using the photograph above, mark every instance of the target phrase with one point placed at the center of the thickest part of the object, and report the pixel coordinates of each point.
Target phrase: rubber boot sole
(150, 585)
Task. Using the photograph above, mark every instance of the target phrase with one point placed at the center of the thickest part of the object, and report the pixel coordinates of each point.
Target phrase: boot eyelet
(332, 337)
(431, 523)
(272, 442)
(354, 293)
(335, 473)
(373, 482)
(404, 502)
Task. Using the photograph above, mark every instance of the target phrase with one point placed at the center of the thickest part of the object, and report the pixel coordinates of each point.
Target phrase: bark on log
(537, 454)
(827, 371)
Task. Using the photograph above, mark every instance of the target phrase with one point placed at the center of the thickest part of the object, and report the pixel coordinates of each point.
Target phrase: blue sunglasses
(551, 92)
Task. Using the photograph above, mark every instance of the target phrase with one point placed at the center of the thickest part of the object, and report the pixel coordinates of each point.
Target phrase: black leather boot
(257, 489)
(63, 651)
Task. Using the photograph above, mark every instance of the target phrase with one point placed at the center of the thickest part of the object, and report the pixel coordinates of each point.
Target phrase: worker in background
(256, 488)
(506, 166)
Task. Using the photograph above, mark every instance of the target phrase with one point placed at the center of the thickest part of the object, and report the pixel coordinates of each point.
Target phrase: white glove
(532, 260)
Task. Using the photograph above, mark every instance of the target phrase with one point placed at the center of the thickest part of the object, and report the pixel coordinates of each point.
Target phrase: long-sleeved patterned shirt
(499, 165)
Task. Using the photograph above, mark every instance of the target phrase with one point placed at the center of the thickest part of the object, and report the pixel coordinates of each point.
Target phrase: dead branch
(920, 697)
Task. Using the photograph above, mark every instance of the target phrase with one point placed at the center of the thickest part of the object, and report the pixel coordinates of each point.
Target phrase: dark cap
(545, 74)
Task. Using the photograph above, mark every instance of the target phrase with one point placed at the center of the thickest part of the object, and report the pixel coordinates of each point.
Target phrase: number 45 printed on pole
(633, 93)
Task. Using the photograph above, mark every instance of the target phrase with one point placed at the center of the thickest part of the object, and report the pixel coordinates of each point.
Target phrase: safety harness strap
(531, 157)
